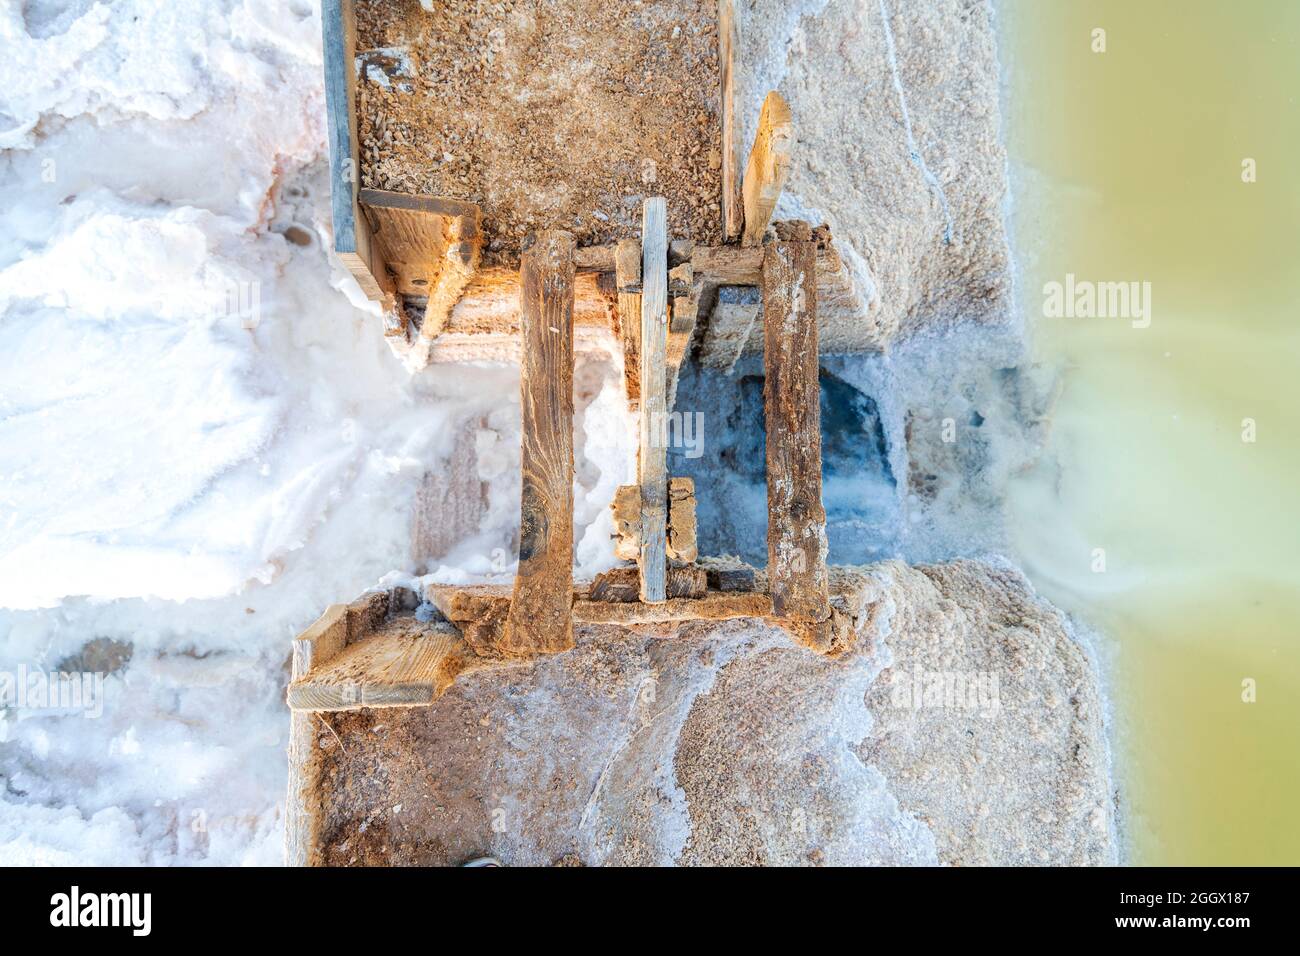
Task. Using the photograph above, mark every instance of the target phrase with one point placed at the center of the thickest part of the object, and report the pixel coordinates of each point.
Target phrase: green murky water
(1127, 166)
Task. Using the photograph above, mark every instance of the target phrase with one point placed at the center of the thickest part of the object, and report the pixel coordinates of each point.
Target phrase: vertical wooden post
(796, 519)
(731, 202)
(627, 279)
(652, 464)
(353, 241)
(541, 612)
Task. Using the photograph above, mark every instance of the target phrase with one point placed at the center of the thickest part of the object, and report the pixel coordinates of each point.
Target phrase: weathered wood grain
(732, 202)
(627, 522)
(540, 612)
(713, 606)
(796, 522)
(325, 639)
(684, 291)
(623, 584)
(430, 245)
(652, 473)
(627, 277)
(682, 546)
(680, 534)
(768, 168)
(399, 664)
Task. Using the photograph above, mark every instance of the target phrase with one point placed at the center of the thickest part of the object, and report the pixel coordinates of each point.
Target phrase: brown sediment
(547, 113)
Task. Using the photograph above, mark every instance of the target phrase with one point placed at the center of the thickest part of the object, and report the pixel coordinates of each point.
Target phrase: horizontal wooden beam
(622, 585)
(429, 205)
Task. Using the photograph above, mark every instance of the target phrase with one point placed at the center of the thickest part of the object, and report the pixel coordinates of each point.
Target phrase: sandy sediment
(724, 743)
(548, 113)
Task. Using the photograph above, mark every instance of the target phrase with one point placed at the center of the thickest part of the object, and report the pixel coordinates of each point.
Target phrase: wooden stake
(796, 520)
(541, 617)
(769, 165)
(652, 466)
(731, 200)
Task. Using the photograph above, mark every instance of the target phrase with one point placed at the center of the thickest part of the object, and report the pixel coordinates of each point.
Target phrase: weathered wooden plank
(480, 611)
(680, 536)
(652, 474)
(735, 578)
(768, 168)
(540, 612)
(398, 665)
(627, 522)
(327, 636)
(627, 275)
(316, 646)
(431, 247)
(681, 520)
(441, 206)
(713, 606)
(796, 519)
(684, 292)
(623, 584)
(732, 202)
(724, 265)
(352, 239)
(604, 258)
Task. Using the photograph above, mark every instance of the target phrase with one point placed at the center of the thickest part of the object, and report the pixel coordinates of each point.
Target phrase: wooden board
(352, 239)
(627, 522)
(714, 606)
(652, 473)
(732, 203)
(769, 166)
(327, 636)
(623, 585)
(796, 519)
(540, 618)
(627, 277)
(682, 546)
(398, 665)
(418, 234)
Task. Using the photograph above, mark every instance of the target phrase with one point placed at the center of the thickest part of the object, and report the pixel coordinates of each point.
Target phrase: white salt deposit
(203, 437)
